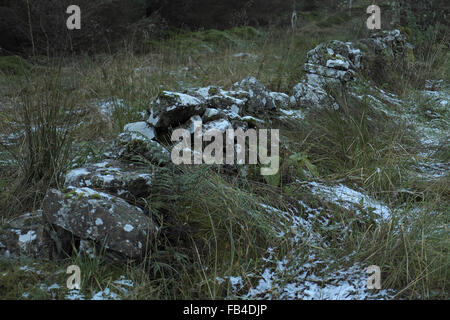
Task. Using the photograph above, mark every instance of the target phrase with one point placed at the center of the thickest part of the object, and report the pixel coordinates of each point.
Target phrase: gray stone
(259, 100)
(142, 128)
(25, 236)
(125, 179)
(130, 147)
(171, 109)
(101, 218)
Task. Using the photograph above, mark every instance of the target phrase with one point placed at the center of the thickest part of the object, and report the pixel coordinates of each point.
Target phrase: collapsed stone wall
(99, 205)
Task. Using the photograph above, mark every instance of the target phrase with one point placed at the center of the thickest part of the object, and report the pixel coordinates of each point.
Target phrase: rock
(281, 99)
(127, 180)
(259, 100)
(327, 72)
(217, 98)
(213, 114)
(129, 147)
(336, 55)
(333, 64)
(392, 41)
(171, 109)
(328, 67)
(101, 218)
(142, 128)
(312, 96)
(25, 236)
(220, 125)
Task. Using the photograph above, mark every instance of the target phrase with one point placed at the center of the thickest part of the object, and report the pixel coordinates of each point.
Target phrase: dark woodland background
(39, 26)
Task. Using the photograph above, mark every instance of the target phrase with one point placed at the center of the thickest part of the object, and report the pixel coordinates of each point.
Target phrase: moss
(407, 31)
(70, 195)
(213, 91)
(96, 196)
(310, 16)
(13, 65)
(246, 33)
(208, 40)
(334, 19)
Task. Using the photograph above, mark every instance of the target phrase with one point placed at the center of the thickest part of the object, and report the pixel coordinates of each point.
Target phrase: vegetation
(213, 225)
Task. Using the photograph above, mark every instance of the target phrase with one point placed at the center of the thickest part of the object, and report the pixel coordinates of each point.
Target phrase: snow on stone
(152, 119)
(128, 227)
(185, 99)
(209, 112)
(53, 287)
(220, 125)
(310, 281)
(338, 64)
(74, 174)
(296, 114)
(142, 128)
(26, 238)
(124, 282)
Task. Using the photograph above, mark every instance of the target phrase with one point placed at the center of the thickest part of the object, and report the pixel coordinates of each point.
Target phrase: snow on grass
(74, 295)
(313, 280)
(106, 294)
(348, 198)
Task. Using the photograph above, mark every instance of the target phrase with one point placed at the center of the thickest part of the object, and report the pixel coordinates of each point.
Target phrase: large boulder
(100, 218)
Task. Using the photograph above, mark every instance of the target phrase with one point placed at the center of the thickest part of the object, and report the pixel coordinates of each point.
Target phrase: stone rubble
(98, 206)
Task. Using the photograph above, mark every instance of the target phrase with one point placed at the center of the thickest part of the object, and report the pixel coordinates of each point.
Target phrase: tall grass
(44, 117)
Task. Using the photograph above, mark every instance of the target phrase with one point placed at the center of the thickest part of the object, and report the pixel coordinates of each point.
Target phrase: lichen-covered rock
(388, 41)
(217, 98)
(171, 109)
(313, 96)
(336, 55)
(125, 179)
(25, 236)
(328, 67)
(260, 99)
(332, 65)
(141, 128)
(128, 146)
(101, 218)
